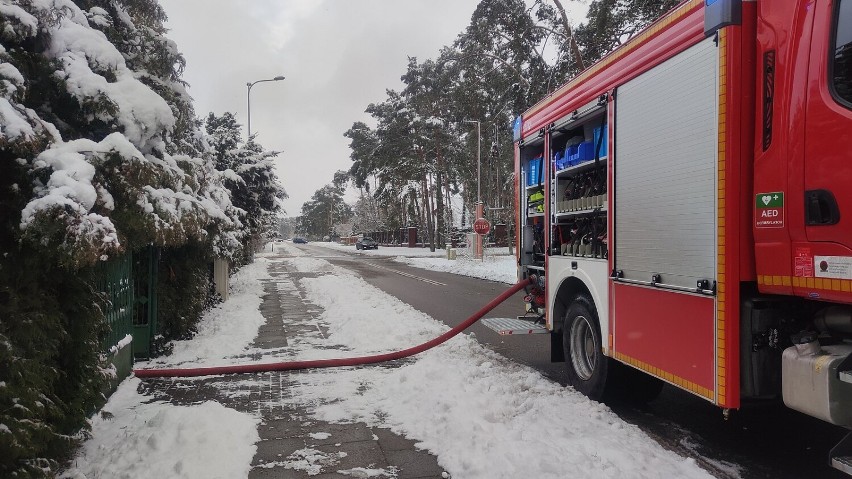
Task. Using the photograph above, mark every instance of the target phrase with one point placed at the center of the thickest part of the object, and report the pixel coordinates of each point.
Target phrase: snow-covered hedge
(108, 135)
(101, 154)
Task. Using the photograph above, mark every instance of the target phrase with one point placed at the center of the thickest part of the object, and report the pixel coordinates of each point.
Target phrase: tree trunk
(575, 51)
(439, 202)
(330, 216)
(433, 209)
(427, 204)
(450, 217)
(415, 212)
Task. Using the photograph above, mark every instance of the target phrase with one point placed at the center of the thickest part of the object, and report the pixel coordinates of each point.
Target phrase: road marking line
(407, 275)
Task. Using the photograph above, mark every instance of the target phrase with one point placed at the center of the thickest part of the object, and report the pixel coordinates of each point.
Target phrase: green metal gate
(145, 263)
(114, 281)
(129, 284)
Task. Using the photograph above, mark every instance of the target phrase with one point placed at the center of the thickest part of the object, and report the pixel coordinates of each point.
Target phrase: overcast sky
(338, 56)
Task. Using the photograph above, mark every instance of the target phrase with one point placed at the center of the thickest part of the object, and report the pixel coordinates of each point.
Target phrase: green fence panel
(114, 282)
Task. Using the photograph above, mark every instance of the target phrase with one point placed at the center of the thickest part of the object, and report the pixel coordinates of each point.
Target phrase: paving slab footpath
(292, 443)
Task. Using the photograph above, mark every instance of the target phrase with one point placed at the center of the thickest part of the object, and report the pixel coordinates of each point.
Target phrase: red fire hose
(331, 363)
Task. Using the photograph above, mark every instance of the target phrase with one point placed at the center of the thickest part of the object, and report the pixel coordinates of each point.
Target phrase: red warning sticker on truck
(803, 263)
(769, 210)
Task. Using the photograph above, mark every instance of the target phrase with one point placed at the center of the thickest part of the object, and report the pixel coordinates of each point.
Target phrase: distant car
(366, 243)
(300, 240)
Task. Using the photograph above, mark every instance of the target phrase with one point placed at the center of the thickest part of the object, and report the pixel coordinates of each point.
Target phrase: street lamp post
(477, 247)
(249, 85)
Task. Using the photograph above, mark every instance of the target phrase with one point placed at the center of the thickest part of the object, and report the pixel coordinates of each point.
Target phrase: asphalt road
(761, 440)
(449, 298)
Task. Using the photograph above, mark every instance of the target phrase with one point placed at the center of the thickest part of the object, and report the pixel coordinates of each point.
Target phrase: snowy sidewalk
(459, 407)
(290, 444)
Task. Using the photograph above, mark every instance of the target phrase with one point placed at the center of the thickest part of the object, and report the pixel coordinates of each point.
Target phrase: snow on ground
(497, 266)
(205, 440)
(483, 416)
(226, 330)
(502, 269)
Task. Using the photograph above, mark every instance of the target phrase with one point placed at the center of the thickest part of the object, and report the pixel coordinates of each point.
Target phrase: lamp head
(279, 77)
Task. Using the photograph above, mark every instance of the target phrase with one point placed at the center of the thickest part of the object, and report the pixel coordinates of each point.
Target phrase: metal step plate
(842, 463)
(507, 326)
(846, 376)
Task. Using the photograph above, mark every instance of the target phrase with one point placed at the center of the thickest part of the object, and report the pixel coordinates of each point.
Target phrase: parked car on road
(366, 243)
(300, 240)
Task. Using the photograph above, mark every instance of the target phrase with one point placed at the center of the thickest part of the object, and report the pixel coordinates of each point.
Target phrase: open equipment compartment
(532, 200)
(578, 146)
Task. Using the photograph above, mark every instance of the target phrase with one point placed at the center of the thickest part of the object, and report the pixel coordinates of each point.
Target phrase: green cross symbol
(770, 200)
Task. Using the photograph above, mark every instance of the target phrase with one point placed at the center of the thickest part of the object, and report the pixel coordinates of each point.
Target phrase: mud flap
(557, 354)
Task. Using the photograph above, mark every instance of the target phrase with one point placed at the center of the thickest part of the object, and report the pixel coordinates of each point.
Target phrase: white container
(810, 383)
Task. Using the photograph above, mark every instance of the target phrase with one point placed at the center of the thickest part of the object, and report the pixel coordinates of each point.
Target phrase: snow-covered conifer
(101, 155)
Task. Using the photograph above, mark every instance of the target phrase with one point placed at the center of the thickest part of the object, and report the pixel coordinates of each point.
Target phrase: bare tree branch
(549, 30)
(508, 65)
(575, 50)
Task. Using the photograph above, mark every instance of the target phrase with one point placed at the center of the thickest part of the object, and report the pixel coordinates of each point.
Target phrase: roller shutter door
(666, 124)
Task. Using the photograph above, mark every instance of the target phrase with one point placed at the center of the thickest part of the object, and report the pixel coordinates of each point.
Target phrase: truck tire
(585, 363)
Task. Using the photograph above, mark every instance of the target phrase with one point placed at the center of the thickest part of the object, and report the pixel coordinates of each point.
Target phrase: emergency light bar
(516, 128)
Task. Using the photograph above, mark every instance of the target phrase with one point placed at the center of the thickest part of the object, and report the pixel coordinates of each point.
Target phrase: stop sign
(481, 226)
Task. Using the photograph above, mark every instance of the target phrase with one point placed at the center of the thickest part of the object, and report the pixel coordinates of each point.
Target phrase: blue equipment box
(560, 162)
(535, 172)
(570, 155)
(585, 152)
(580, 153)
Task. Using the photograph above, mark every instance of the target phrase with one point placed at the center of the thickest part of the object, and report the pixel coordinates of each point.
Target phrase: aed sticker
(803, 263)
(835, 267)
(769, 210)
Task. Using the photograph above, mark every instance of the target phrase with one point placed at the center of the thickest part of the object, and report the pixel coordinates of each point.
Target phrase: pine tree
(250, 179)
(610, 23)
(500, 65)
(326, 208)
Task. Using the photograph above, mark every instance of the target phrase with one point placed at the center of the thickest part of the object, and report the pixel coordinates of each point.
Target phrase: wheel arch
(568, 290)
(569, 277)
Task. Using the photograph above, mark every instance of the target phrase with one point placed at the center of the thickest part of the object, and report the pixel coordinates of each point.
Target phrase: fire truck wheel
(581, 341)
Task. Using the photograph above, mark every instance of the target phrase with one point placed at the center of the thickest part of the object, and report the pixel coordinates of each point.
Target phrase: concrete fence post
(220, 277)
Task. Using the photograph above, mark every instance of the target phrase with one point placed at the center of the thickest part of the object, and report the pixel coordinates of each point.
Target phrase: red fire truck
(686, 205)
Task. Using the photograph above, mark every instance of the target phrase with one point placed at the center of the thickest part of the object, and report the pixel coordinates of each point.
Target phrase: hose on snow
(331, 363)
